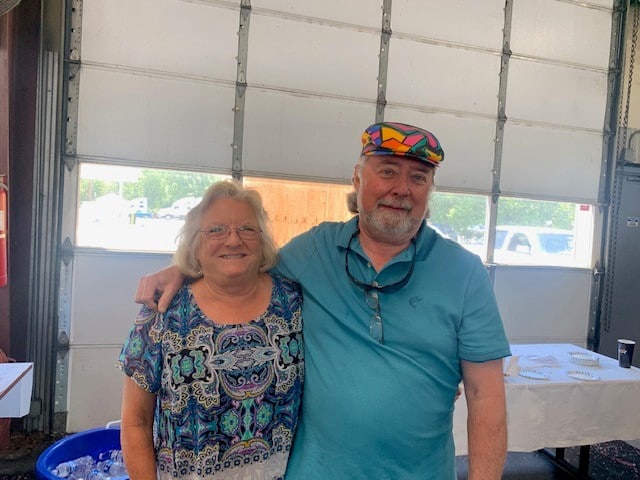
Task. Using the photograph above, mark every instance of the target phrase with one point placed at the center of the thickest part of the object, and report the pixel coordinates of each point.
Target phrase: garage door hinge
(66, 252)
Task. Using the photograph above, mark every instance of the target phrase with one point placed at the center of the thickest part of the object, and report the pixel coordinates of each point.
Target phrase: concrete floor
(519, 466)
(538, 466)
(635, 443)
(522, 466)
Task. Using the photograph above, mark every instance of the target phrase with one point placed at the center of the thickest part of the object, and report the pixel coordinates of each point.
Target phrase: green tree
(92, 189)
(160, 187)
(458, 211)
(535, 213)
(465, 212)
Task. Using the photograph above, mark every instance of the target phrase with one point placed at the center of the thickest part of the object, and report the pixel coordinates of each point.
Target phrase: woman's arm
(136, 434)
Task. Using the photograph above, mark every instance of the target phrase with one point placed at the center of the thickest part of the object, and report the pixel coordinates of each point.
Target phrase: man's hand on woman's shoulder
(157, 289)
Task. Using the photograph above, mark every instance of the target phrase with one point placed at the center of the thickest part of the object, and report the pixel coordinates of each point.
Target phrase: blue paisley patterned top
(228, 395)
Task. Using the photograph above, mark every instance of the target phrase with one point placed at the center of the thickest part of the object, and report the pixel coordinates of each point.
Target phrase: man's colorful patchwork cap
(402, 140)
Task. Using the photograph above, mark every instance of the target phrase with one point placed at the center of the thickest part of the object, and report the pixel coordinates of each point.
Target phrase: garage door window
(135, 209)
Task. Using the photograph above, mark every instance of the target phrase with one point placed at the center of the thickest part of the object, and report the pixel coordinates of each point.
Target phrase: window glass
(528, 232)
(533, 232)
(460, 217)
(500, 236)
(142, 209)
(131, 208)
(295, 206)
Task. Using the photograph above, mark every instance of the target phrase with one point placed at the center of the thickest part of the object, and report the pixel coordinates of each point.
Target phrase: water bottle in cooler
(115, 455)
(96, 474)
(75, 468)
(112, 468)
(117, 469)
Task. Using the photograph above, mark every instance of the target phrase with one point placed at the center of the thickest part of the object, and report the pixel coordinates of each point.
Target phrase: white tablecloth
(563, 411)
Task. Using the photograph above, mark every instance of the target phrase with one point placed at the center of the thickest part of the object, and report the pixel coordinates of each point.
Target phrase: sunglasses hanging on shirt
(373, 289)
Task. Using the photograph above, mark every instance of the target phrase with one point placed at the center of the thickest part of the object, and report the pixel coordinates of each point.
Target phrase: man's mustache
(390, 203)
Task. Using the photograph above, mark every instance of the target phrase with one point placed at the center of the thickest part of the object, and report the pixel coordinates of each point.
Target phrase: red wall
(19, 50)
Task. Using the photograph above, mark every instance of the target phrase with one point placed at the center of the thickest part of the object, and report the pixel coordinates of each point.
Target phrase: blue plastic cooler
(90, 442)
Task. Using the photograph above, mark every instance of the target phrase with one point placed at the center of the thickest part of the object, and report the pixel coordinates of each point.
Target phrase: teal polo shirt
(385, 411)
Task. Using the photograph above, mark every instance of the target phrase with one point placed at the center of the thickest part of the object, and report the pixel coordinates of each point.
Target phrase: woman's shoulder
(286, 300)
(181, 307)
(181, 296)
(281, 281)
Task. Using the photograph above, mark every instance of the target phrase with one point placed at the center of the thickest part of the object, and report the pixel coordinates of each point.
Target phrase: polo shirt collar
(348, 229)
(425, 239)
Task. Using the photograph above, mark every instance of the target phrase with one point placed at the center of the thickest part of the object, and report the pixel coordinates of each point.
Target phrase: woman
(212, 387)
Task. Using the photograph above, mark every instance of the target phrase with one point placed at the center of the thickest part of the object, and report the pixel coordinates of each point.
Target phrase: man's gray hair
(352, 197)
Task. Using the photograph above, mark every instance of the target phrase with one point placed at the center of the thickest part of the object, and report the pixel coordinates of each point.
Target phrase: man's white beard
(390, 222)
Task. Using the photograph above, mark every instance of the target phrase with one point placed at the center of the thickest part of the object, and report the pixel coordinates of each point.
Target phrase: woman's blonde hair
(190, 237)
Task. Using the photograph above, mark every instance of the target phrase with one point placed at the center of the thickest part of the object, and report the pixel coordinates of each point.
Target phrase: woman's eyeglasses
(220, 232)
(372, 290)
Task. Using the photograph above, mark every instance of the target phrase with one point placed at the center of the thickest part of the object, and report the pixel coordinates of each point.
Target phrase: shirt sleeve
(141, 355)
(296, 255)
(481, 336)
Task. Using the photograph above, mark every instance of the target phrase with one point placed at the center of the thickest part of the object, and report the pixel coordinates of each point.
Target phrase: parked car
(179, 208)
(516, 244)
(445, 231)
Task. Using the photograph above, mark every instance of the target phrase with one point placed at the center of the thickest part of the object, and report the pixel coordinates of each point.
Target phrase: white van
(179, 208)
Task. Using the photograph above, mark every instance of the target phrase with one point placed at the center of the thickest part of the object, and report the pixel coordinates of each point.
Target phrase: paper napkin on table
(511, 366)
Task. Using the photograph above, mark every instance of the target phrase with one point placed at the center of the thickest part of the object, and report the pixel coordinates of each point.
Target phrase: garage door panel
(439, 77)
(310, 57)
(303, 136)
(550, 161)
(561, 31)
(560, 318)
(102, 304)
(166, 35)
(356, 12)
(167, 122)
(476, 23)
(556, 94)
(95, 388)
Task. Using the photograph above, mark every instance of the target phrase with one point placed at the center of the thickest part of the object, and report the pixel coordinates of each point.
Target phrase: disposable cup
(625, 352)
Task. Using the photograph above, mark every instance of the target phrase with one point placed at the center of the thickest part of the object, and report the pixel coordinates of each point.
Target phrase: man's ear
(355, 179)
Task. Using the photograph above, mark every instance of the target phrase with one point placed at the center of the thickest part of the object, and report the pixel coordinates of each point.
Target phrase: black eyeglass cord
(367, 287)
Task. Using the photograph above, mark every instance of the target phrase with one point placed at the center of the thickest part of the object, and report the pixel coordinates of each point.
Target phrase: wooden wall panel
(295, 208)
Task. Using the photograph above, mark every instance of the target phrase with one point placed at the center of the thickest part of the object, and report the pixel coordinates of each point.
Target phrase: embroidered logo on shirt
(413, 301)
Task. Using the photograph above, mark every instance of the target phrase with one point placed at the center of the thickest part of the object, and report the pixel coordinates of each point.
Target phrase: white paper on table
(511, 366)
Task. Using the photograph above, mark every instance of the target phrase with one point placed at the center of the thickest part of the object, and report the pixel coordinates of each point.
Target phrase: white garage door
(226, 87)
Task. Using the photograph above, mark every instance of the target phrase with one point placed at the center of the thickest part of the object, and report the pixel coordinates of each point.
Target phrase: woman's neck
(236, 290)
(233, 302)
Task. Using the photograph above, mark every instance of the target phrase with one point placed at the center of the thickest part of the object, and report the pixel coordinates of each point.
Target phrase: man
(394, 317)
